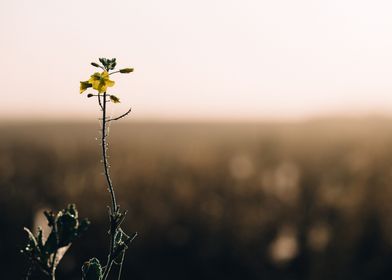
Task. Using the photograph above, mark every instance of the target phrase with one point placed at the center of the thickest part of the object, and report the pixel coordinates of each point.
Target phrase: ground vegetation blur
(306, 201)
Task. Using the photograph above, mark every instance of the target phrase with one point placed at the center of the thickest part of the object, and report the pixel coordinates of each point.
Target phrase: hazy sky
(219, 59)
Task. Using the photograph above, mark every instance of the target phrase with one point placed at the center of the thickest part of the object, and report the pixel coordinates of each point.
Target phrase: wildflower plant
(66, 226)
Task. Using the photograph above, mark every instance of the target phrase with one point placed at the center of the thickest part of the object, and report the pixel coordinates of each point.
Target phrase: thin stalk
(114, 206)
(53, 268)
(115, 216)
(53, 264)
(121, 265)
(105, 157)
(99, 101)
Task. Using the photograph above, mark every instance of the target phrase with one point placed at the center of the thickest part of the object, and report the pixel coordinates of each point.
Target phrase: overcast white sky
(204, 59)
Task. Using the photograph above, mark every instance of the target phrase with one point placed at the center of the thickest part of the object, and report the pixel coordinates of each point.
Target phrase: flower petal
(109, 83)
(102, 86)
(105, 74)
(84, 85)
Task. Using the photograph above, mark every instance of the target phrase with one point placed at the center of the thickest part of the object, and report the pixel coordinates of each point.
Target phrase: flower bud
(104, 61)
(95, 64)
(126, 70)
(114, 99)
(90, 95)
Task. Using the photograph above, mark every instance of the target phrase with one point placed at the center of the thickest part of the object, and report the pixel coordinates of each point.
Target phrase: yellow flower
(100, 81)
(84, 85)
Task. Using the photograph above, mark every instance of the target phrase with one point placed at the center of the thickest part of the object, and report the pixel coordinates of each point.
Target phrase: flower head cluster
(98, 81)
(101, 81)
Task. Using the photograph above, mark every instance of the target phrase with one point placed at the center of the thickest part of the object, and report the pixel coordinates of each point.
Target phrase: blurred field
(210, 201)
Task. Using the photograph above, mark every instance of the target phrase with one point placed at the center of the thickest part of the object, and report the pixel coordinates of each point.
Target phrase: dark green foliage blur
(92, 270)
(65, 227)
(210, 201)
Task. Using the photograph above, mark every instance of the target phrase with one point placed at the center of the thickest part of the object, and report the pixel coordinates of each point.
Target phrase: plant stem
(121, 265)
(53, 268)
(114, 206)
(53, 265)
(104, 156)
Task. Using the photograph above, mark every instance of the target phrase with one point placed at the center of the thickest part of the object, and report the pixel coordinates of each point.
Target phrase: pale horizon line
(283, 120)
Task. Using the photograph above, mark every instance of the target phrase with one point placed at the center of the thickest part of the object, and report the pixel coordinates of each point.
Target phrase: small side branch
(120, 117)
(124, 245)
(99, 101)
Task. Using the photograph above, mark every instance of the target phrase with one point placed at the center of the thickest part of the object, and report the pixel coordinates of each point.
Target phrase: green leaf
(40, 242)
(32, 244)
(118, 242)
(72, 210)
(50, 217)
(51, 245)
(92, 270)
(83, 226)
(67, 225)
(118, 238)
